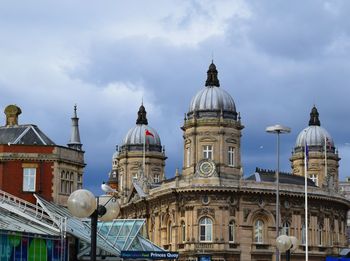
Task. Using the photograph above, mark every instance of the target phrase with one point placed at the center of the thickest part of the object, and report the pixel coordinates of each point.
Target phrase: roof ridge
(38, 135)
(21, 135)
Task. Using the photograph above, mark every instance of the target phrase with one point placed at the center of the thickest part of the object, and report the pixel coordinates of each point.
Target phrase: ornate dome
(314, 135)
(135, 138)
(212, 99)
(136, 135)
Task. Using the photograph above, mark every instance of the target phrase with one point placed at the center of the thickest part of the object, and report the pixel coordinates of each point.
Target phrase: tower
(212, 134)
(141, 157)
(322, 156)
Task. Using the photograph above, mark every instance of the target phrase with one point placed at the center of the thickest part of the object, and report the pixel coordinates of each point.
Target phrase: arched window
(338, 230)
(259, 231)
(188, 157)
(120, 182)
(183, 231)
(67, 189)
(331, 232)
(80, 181)
(153, 230)
(71, 182)
(231, 231)
(319, 235)
(205, 229)
(170, 232)
(303, 235)
(286, 229)
(63, 182)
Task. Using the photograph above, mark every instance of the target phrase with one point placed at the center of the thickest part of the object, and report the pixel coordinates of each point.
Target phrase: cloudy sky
(276, 58)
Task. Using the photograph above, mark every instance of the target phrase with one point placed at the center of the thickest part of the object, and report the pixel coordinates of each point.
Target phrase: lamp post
(277, 129)
(287, 244)
(82, 204)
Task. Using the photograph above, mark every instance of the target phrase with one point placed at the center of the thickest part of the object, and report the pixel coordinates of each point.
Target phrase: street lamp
(277, 129)
(82, 204)
(287, 244)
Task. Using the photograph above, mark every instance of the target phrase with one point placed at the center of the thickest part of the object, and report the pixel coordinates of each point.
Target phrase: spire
(314, 120)
(74, 142)
(141, 119)
(212, 79)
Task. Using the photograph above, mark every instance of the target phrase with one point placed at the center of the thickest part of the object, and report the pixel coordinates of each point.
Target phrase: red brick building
(30, 162)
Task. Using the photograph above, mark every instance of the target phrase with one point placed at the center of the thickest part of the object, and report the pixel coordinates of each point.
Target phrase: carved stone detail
(246, 213)
(206, 212)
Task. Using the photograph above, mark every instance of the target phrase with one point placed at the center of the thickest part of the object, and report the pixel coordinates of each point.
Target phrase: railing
(21, 207)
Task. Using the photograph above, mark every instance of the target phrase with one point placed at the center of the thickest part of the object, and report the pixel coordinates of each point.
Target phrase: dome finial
(314, 120)
(212, 76)
(142, 119)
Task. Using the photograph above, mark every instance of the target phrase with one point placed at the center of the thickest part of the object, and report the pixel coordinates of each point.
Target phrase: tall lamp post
(277, 129)
(82, 204)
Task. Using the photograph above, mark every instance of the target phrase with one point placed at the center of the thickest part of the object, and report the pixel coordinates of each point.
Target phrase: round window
(205, 199)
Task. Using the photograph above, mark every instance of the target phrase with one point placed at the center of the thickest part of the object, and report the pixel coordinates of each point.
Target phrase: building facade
(210, 210)
(30, 162)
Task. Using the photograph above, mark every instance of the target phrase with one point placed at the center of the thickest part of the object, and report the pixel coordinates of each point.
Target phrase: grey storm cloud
(276, 58)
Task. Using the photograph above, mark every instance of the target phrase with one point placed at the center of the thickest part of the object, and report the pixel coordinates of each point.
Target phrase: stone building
(209, 210)
(30, 162)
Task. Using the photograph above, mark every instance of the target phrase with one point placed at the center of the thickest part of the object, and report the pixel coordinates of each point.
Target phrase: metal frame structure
(46, 218)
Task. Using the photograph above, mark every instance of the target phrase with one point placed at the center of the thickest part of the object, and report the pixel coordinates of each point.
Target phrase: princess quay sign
(149, 255)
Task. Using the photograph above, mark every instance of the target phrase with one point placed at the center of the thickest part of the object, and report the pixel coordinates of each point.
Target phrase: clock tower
(212, 134)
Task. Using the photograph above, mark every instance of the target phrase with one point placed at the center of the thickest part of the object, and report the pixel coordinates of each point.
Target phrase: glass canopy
(46, 218)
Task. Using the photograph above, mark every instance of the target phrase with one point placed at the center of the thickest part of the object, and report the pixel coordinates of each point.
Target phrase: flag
(148, 133)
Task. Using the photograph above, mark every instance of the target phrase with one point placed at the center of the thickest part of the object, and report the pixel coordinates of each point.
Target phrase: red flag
(148, 133)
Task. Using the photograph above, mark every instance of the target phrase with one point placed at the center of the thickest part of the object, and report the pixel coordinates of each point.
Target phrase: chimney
(12, 112)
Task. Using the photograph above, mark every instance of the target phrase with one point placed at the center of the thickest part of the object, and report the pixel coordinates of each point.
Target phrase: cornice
(214, 122)
(248, 187)
(20, 156)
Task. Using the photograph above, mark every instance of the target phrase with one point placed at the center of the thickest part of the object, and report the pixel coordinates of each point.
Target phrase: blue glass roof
(125, 235)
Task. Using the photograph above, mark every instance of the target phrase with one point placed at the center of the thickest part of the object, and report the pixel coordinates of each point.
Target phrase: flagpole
(306, 207)
(325, 160)
(144, 153)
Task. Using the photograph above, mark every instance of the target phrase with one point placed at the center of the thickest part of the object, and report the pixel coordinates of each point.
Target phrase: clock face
(207, 168)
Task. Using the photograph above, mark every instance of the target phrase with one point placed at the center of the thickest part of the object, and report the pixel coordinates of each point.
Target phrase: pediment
(208, 139)
(231, 140)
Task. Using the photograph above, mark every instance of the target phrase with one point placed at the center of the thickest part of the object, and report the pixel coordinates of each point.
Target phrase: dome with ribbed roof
(135, 137)
(212, 101)
(314, 135)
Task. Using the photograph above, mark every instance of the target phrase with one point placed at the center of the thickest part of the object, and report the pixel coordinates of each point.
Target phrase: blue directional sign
(204, 258)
